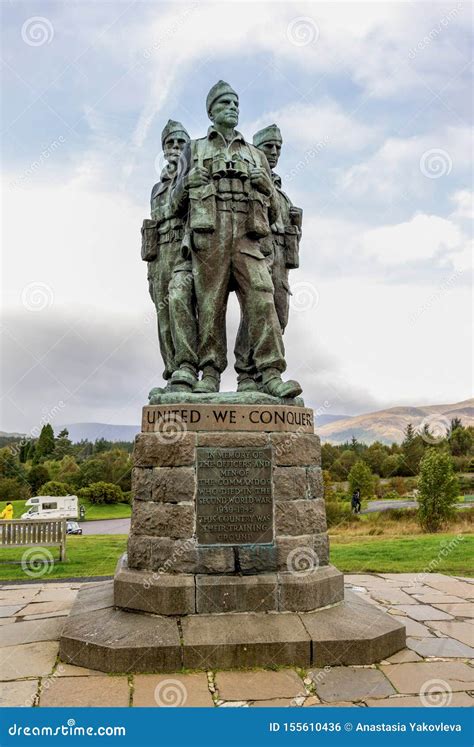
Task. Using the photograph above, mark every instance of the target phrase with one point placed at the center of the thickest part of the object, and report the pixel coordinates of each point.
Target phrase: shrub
(438, 489)
(102, 492)
(12, 489)
(53, 487)
(361, 477)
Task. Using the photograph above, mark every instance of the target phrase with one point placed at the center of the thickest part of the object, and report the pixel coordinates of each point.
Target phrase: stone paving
(435, 668)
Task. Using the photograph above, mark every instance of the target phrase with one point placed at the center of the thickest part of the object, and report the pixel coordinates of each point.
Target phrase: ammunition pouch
(149, 240)
(202, 208)
(257, 221)
(292, 248)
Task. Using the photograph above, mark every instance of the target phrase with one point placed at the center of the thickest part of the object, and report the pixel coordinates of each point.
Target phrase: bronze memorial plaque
(234, 503)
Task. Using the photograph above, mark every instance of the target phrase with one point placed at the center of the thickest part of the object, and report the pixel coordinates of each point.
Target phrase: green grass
(94, 555)
(93, 512)
(404, 554)
(97, 555)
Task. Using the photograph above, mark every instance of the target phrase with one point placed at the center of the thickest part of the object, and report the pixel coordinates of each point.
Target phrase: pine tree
(45, 443)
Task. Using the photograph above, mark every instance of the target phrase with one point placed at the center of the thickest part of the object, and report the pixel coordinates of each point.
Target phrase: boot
(273, 384)
(184, 379)
(210, 381)
(246, 383)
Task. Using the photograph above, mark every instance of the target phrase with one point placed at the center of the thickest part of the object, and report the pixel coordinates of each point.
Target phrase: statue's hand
(260, 180)
(197, 177)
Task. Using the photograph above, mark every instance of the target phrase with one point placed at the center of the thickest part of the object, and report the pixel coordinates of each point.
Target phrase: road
(106, 526)
(374, 506)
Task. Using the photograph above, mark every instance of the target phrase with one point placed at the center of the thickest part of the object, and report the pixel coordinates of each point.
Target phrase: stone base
(159, 396)
(97, 635)
(188, 594)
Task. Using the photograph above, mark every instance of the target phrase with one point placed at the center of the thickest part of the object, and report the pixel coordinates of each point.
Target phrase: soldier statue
(170, 273)
(282, 254)
(224, 187)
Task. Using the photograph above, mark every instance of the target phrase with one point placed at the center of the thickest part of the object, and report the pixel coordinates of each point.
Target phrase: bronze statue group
(220, 222)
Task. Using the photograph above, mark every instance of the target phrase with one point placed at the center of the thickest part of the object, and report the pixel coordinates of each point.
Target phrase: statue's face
(173, 146)
(272, 150)
(225, 111)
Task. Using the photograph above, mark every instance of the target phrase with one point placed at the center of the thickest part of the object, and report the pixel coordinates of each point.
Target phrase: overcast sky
(373, 100)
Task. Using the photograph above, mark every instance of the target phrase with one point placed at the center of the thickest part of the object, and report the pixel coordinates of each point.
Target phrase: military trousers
(171, 287)
(227, 259)
(244, 363)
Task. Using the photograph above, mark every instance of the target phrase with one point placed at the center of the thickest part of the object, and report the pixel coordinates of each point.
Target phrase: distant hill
(387, 426)
(325, 419)
(94, 431)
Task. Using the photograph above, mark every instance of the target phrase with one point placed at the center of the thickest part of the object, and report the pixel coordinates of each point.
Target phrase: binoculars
(237, 168)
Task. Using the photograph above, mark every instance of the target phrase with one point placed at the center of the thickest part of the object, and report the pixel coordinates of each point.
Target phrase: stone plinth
(228, 554)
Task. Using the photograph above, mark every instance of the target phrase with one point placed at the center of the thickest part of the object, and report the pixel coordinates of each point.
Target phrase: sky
(374, 104)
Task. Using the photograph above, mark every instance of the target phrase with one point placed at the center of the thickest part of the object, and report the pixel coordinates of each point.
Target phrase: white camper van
(52, 507)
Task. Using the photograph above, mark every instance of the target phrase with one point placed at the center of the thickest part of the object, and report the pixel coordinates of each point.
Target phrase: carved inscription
(234, 497)
(199, 417)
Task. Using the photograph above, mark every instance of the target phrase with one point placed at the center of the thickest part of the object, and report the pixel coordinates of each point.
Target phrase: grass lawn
(97, 555)
(93, 512)
(412, 554)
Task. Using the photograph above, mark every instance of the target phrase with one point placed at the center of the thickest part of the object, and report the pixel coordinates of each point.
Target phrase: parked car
(72, 527)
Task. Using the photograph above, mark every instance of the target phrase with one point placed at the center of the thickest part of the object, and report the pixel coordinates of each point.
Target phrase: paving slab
(276, 703)
(168, 691)
(7, 620)
(261, 685)
(62, 594)
(28, 660)
(405, 655)
(18, 694)
(406, 578)
(462, 631)
(32, 630)
(443, 648)
(16, 596)
(433, 597)
(350, 683)
(411, 678)
(90, 692)
(43, 616)
(69, 670)
(391, 596)
(412, 627)
(458, 610)
(455, 700)
(10, 610)
(423, 612)
(450, 585)
(42, 608)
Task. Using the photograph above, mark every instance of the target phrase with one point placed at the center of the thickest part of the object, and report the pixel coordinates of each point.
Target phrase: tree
(68, 470)
(13, 489)
(102, 492)
(391, 465)
(412, 451)
(45, 443)
(375, 456)
(9, 467)
(460, 439)
(63, 445)
(55, 488)
(361, 477)
(437, 490)
(24, 449)
(37, 476)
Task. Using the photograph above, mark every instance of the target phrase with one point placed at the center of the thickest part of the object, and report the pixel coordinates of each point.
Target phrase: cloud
(463, 199)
